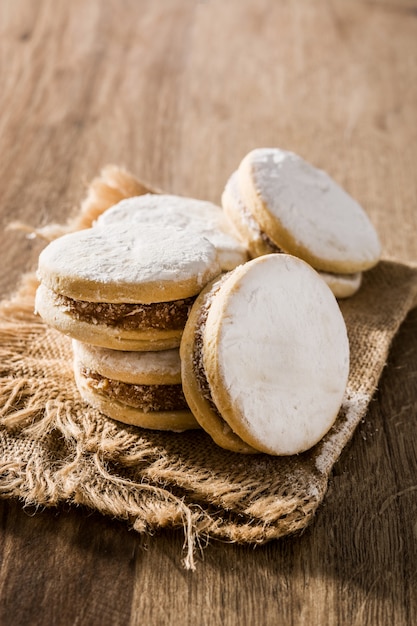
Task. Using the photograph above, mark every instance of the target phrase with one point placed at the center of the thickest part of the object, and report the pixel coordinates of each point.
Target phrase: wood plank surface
(178, 92)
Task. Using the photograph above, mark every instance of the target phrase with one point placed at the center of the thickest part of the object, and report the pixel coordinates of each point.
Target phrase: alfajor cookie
(197, 216)
(138, 388)
(258, 243)
(304, 212)
(123, 288)
(265, 357)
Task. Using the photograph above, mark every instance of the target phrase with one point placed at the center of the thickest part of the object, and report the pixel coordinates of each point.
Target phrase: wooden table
(178, 92)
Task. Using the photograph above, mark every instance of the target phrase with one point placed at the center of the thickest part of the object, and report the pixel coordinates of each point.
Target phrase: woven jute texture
(55, 449)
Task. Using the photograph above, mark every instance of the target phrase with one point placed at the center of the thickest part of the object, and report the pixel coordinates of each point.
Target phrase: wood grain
(178, 92)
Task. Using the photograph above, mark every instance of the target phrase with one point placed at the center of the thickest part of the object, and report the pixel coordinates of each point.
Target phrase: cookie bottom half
(177, 420)
(98, 332)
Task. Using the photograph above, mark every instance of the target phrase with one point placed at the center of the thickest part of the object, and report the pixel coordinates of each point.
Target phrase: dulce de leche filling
(146, 398)
(198, 365)
(170, 315)
(253, 225)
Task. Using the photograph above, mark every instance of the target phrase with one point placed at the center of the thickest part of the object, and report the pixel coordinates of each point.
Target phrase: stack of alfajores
(173, 327)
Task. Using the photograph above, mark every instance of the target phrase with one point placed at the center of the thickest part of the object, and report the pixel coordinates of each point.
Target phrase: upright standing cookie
(258, 243)
(305, 213)
(123, 288)
(265, 357)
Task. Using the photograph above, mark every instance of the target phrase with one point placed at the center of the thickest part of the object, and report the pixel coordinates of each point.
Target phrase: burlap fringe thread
(55, 449)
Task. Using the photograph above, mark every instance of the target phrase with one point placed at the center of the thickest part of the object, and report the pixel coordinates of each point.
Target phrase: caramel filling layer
(198, 365)
(159, 315)
(253, 224)
(146, 398)
(269, 242)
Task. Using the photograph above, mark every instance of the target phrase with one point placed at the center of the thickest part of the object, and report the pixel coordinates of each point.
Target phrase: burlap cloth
(56, 449)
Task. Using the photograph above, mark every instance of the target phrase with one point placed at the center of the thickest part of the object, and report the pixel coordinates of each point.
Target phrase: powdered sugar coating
(130, 367)
(198, 216)
(316, 219)
(282, 355)
(354, 405)
(115, 263)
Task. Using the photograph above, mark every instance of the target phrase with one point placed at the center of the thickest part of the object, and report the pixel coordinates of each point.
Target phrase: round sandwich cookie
(138, 388)
(304, 212)
(258, 243)
(188, 214)
(265, 357)
(124, 288)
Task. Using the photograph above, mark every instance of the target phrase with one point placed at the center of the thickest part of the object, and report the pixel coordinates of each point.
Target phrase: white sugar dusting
(353, 409)
(164, 362)
(313, 208)
(118, 254)
(187, 214)
(283, 354)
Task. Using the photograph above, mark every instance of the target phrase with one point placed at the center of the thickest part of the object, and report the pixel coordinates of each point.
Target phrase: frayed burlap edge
(55, 449)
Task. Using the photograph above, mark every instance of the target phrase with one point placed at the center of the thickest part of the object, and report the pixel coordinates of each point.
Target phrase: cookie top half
(276, 354)
(118, 264)
(137, 368)
(189, 214)
(306, 213)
